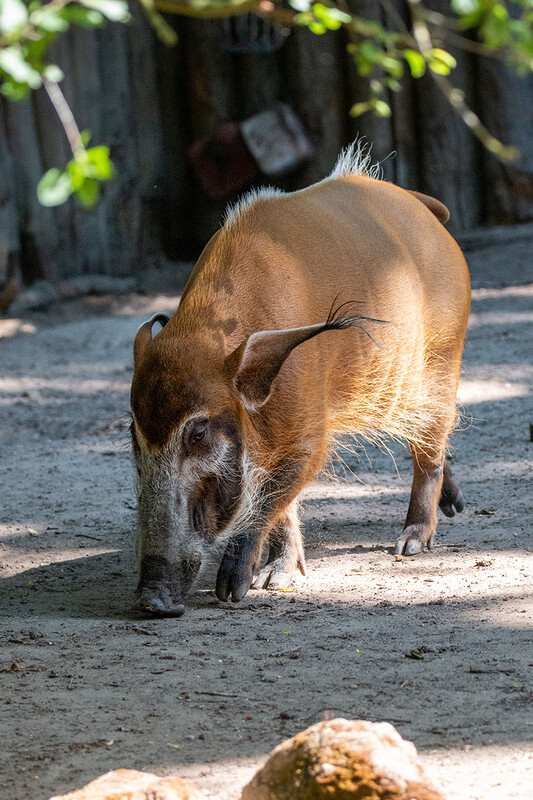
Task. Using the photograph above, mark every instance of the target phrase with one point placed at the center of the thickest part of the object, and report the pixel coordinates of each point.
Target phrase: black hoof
(451, 500)
(236, 571)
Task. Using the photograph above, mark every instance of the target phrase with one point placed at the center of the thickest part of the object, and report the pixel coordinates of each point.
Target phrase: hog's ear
(144, 336)
(257, 360)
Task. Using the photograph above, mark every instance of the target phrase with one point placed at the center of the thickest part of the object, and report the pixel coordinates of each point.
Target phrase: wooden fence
(149, 103)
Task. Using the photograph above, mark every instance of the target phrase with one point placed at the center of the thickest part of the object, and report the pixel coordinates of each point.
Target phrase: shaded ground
(208, 695)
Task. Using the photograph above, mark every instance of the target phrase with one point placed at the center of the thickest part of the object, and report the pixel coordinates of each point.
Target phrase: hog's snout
(158, 600)
(162, 585)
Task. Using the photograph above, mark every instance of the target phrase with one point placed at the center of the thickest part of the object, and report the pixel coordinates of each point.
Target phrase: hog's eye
(195, 432)
(197, 436)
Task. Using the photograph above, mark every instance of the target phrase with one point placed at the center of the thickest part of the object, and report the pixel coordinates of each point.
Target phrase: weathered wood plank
(10, 278)
(506, 107)
(84, 92)
(55, 152)
(117, 112)
(37, 225)
(212, 99)
(313, 73)
(176, 182)
(146, 130)
(448, 153)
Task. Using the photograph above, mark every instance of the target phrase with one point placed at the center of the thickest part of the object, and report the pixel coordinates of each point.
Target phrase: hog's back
(287, 260)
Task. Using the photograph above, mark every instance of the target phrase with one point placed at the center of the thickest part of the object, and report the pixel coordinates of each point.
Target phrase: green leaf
(381, 108)
(369, 51)
(392, 65)
(114, 10)
(84, 17)
(88, 193)
(85, 137)
(13, 90)
(332, 18)
(77, 169)
(444, 56)
(360, 108)
(49, 19)
(54, 187)
(392, 84)
(98, 158)
(13, 14)
(12, 61)
(495, 29)
(317, 27)
(441, 62)
(416, 62)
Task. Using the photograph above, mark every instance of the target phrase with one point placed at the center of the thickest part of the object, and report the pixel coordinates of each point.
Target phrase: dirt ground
(439, 645)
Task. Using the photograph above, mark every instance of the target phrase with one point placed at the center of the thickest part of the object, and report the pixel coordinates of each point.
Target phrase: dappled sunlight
(61, 556)
(499, 294)
(477, 768)
(348, 491)
(438, 644)
(106, 446)
(519, 469)
(146, 306)
(14, 327)
(11, 387)
(482, 318)
(473, 577)
(471, 392)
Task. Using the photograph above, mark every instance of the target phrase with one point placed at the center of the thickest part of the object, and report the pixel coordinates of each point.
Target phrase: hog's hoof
(236, 570)
(228, 584)
(158, 602)
(450, 499)
(275, 575)
(415, 539)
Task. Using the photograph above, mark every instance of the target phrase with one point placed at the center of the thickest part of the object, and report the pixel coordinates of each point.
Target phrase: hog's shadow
(98, 587)
(103, 586)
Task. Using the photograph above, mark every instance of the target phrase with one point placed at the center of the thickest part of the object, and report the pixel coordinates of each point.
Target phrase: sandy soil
(439, 645)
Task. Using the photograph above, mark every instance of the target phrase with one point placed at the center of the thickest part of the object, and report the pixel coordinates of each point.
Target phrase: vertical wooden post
(55, 152)
(313, 74)
(448, 153)
(146, 129)
(9, 233)
(212, 100)
(123, 201)
(506, 107)
(37, 225)
(85, 91)
(175, 179)
(377, 131)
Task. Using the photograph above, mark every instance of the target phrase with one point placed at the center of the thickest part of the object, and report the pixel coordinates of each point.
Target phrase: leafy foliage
(82, 176)
(382, 55)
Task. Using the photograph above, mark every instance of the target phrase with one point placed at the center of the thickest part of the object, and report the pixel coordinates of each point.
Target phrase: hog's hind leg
(286, 552)
(451, 497)
(421, 521)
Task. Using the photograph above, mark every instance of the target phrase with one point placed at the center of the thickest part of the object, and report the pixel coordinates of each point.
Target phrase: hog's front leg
(236, 570)
(286, 552)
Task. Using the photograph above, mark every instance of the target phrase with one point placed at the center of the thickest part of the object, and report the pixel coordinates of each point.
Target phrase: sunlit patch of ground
(439, 645)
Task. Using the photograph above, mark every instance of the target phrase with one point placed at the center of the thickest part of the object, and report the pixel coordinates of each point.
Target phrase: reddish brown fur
(278, 264)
